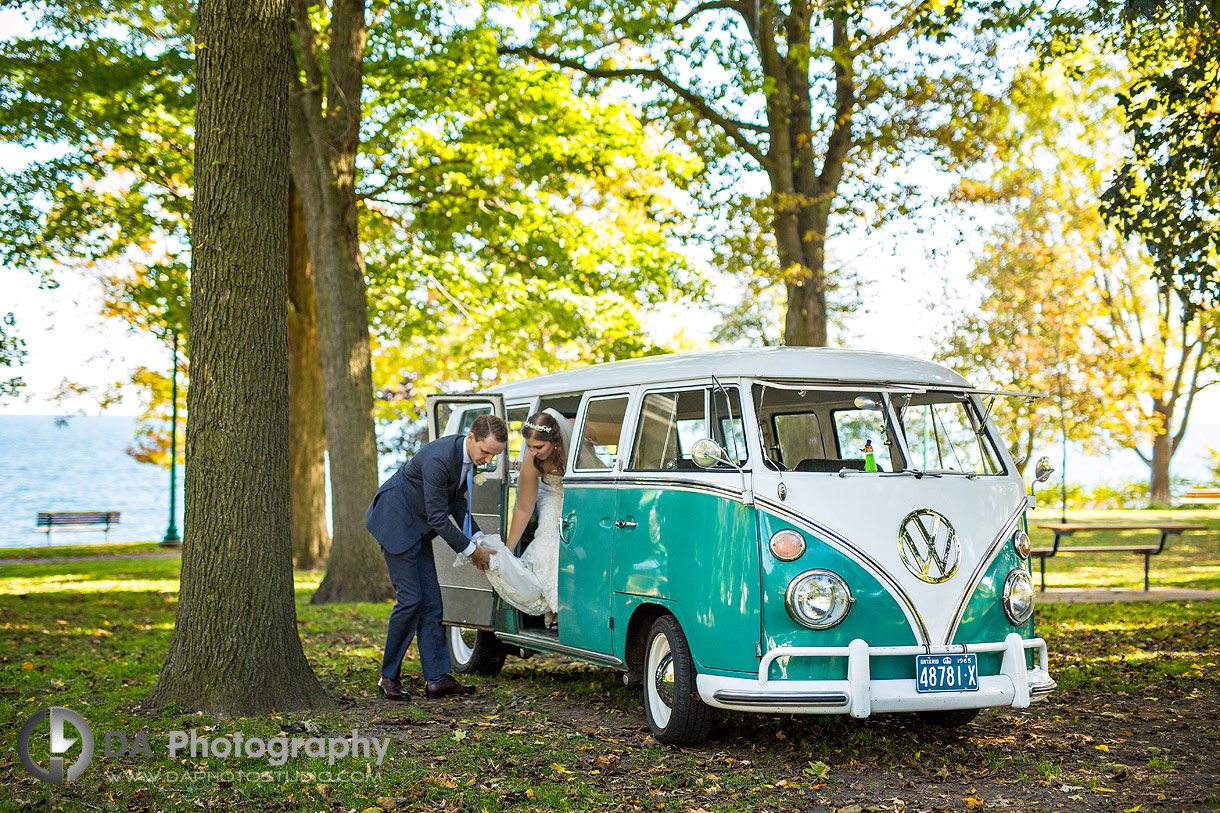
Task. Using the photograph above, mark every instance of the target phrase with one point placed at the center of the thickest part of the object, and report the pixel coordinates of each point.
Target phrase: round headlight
(1018, 596)
(818, 599)
(787, 545)
(1020, 542)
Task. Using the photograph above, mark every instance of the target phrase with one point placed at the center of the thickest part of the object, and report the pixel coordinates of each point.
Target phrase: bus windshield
(833, 429)
(944, 433)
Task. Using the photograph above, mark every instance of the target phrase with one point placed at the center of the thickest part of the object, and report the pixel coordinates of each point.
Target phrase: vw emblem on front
(928, 545)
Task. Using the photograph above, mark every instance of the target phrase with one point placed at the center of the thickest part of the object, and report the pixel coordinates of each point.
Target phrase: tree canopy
(827, 102)
(12, 355)
(1166, 190)
(1070, 307)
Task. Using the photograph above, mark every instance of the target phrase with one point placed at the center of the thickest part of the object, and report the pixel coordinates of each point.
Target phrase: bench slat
(1100, 549)
(77, 517)
(1122, 526)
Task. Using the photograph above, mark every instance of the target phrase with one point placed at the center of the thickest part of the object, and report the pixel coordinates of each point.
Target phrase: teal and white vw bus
(728, 541)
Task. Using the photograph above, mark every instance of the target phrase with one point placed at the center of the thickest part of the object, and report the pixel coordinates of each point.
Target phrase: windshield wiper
(919, 473)
(969, 475)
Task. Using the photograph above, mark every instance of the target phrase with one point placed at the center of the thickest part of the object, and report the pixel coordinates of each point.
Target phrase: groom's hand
(481, 558)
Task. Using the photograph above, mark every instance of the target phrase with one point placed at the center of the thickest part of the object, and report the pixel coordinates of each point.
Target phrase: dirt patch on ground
(1079, 751)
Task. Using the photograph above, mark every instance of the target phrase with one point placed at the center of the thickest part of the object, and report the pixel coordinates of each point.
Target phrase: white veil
(565, 428)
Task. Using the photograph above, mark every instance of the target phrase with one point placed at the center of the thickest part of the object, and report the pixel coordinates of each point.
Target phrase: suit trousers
(417, 609)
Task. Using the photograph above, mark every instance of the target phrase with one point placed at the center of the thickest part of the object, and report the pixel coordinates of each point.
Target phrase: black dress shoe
(445, 687)
(392, 689)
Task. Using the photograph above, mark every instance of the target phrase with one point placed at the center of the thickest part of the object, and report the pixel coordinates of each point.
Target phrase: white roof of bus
(773, 363)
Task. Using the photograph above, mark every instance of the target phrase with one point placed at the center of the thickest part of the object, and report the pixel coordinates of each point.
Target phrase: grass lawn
(549, 734)
(56, 551)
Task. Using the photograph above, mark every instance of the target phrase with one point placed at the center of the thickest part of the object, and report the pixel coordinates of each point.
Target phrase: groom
(408, 512)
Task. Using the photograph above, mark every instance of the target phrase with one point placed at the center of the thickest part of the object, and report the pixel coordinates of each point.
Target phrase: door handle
(624, 523)
(567, 524)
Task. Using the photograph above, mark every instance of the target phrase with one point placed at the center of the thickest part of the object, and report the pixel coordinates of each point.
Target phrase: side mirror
(867, 402)
(707, 453)
(1043, 469)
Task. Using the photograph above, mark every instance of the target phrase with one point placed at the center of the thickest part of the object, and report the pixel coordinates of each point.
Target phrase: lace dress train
(531, 583)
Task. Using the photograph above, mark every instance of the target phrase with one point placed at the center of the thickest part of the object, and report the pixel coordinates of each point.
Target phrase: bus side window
(799, 435)
(516, 419)
(670, 423)
(600, 431)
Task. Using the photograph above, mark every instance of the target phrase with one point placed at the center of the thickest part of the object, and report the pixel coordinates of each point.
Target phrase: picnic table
(1065, 529)
(1196, 495)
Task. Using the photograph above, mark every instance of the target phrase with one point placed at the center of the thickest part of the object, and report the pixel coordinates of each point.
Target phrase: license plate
(956, 672)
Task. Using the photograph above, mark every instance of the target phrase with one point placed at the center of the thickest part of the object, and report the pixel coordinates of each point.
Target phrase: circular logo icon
(54, 773)
(928, 545)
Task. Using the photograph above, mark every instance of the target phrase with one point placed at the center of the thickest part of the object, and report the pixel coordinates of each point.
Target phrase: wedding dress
(542, 555)
(531, 582)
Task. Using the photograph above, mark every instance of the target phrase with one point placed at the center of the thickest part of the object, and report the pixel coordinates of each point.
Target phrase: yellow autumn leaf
(973, 802)
(440, 781)
(1104, 790)
(27, 666)
(1103, 748)
(557, 768)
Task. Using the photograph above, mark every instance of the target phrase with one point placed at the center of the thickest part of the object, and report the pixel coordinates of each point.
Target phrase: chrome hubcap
(461, 643)
(659, 668)
(664, 680)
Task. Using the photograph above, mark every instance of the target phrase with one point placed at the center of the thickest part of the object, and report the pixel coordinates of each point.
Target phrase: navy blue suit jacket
(415, 504)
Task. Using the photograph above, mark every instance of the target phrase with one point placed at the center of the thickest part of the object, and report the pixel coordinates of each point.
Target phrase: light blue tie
(466, 526)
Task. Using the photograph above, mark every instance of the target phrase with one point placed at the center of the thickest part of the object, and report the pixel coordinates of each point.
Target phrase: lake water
(80, 466)
(83, 466)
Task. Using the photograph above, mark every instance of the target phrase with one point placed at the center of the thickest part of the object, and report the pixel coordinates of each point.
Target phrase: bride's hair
(543, 426)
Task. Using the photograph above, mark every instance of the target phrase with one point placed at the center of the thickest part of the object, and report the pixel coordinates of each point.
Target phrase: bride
(540, 484)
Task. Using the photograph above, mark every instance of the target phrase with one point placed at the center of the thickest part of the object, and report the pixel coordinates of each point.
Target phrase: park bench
(1200, 495)
(76, 519)
(1065, 529)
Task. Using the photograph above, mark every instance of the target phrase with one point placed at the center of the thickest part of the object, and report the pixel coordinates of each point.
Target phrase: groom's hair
(485, 425)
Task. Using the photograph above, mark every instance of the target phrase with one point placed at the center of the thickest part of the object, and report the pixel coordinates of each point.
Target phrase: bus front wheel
(676, 715)
(476, 652)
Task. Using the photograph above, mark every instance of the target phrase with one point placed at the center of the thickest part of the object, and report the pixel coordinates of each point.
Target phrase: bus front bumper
(859, 695)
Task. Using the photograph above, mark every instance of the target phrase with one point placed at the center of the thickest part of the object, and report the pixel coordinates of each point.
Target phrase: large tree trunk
(325, 140)
(235, 649)
(307, 447)
(1158, 484)
(1162, 452)
(802, 195)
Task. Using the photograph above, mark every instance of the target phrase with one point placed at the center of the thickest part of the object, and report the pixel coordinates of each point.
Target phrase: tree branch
(872, 42)
(845, 101)
(308, 41)
(1194, 390)
(733, 129)
(400, 174)
(348, 32)
(710, 6)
